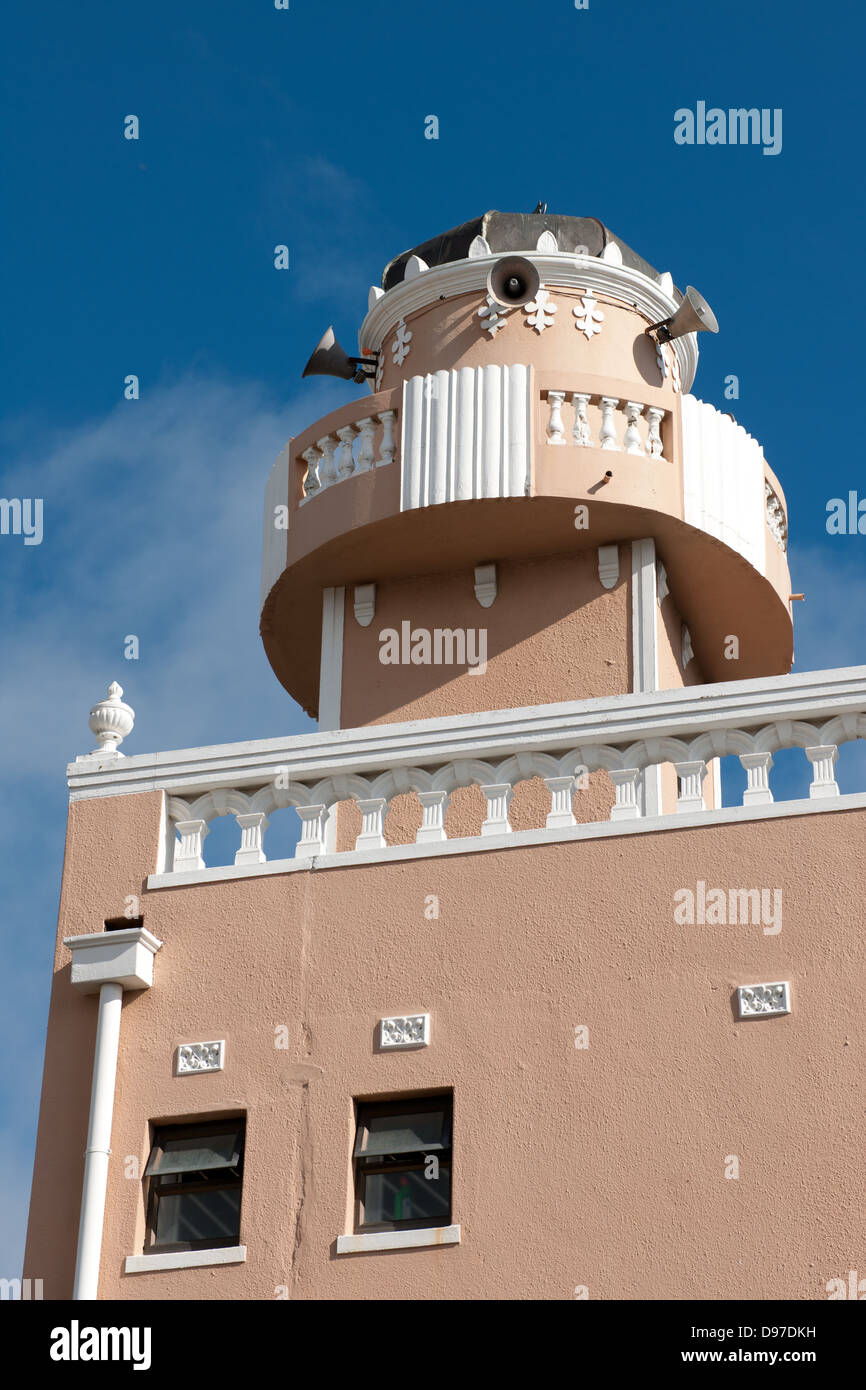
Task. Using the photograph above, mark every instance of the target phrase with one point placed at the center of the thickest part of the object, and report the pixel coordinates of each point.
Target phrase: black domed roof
(516, 232)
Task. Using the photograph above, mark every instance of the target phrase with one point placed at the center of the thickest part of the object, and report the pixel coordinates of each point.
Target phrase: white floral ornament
(668, 366)
(400, 346)
(589, 318)
(540, 311)
(494, 313)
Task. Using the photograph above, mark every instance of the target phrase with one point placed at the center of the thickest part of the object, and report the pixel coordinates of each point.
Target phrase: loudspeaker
(329, 359)
(693, 316)
(513, 281)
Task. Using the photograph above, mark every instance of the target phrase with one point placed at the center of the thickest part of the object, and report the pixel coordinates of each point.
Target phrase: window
(403, 1164)
(194, 1177)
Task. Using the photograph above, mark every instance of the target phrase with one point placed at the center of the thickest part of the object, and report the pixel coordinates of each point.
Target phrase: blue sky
(306, 127)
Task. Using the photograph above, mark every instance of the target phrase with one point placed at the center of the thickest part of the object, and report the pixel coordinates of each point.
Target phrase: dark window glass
(403, 1164)
(194, 1175)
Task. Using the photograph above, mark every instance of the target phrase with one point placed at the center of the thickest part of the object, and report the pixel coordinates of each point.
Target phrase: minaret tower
(532, 468)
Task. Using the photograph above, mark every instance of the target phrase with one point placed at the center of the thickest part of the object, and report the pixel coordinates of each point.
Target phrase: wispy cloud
(152, 528)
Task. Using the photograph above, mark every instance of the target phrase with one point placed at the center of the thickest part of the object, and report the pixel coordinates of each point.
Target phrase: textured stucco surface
(601, 1167)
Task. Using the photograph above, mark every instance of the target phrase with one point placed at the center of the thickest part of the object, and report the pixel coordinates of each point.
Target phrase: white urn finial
(111, 721)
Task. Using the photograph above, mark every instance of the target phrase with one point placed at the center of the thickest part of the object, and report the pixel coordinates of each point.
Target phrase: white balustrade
(757, 766)
(641, 432)
(823, 760)
(580, 434)
(626, 781)
(561, 791)
(252, 826)
(349, 450)
(187, 854)
(312, 482)
(691, 777)
(434, 805)
(654, 415)
(498, 796)
(607, 433)
(429, 759)
(633, 443)
(555, 429)
(372, 822)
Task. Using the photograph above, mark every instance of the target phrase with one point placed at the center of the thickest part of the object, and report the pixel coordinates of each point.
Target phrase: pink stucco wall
(601, 1167)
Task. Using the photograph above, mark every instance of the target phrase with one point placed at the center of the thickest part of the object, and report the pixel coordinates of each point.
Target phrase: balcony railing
(495, 752)
(625, 426)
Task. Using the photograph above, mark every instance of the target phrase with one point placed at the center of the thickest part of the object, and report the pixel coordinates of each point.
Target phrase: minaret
(533, 470)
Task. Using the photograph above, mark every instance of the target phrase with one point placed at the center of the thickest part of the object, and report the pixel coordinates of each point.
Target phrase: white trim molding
(562, 269)
(185, 1259)
(466, 434)
(331, 668)
(398, 1240)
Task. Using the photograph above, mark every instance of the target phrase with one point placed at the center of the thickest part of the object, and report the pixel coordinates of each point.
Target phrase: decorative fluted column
(561, 791)
(498, 796)
(823, 759)
(107, 963)
(691, 775)
(188, 854)
(372, 810)
(626, 781)
(253, 825)
(312, 841)
(434, 806)
(757, 767)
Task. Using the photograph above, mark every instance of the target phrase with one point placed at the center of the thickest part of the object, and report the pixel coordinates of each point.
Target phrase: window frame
(412, 1161)
(157, 1186)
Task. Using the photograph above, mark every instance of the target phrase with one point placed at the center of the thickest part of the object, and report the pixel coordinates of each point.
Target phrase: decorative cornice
(564, 270)
(816, 696)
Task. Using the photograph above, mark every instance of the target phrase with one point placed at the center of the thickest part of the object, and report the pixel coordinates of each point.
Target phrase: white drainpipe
(108, 962)
(98, 1142)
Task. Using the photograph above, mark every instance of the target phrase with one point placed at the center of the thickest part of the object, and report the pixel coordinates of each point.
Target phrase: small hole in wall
(122, 923)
